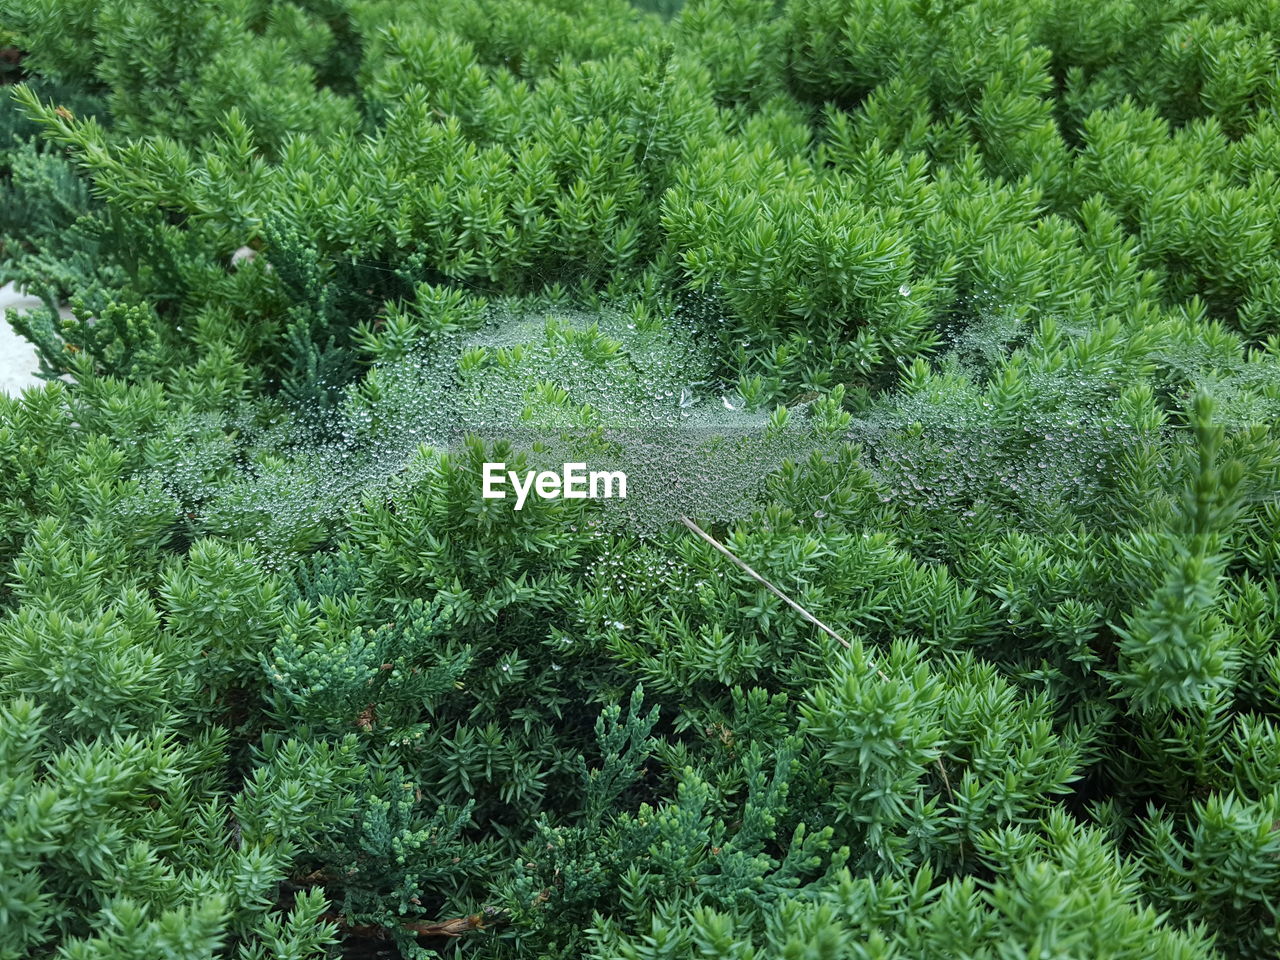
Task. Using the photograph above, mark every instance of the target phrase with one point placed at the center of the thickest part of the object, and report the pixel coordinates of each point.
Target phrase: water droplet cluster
(616, 389)
(978, 437)
(960, 455)
(607, 389)
(622, 389)
(1031, 442)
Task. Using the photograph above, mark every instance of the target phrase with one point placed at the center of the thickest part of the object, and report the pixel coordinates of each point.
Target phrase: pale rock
(18, 359)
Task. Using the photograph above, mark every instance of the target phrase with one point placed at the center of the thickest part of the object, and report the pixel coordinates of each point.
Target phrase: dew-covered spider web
(540, 389)
(621, 391)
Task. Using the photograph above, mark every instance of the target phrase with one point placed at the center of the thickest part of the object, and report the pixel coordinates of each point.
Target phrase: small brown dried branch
(455, 927)
(770, 587)
(946, 781)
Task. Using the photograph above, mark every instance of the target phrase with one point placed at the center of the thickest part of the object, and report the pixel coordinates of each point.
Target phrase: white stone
(18, 358)
(242, 254)
(18, 361)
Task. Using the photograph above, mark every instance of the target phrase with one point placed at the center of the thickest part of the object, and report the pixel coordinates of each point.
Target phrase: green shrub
(988, 295)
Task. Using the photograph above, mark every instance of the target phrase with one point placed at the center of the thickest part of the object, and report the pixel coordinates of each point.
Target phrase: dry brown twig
(455, 927)
(708, 538)
(769, 586)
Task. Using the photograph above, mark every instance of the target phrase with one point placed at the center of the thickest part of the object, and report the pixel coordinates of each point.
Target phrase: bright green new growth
(958, 322)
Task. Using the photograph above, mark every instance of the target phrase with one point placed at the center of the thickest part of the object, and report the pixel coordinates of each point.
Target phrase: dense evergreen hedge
(257, 700)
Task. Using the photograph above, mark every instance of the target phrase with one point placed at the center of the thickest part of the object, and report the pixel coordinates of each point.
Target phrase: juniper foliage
(274, 678)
